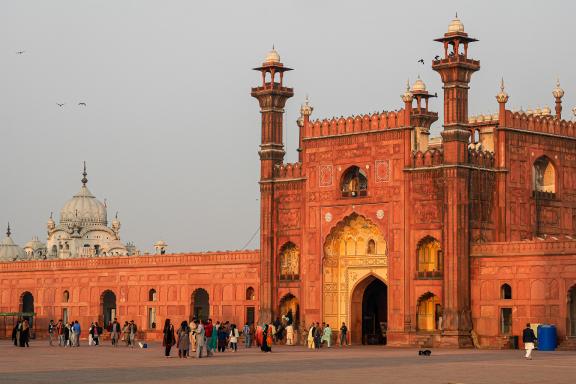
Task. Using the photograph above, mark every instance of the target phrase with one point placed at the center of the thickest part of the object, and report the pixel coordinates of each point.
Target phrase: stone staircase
(568, 345)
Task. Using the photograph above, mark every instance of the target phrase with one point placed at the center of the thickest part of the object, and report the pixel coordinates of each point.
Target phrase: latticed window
(429, 258)
(289, 262)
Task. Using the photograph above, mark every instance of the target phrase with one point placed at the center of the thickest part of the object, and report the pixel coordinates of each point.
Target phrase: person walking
(222, 338)
(90, 334)
(247, 336)
(132, 328)
(290, 334)
(211, 338)
(234, 335)
(66, 335)
(16, 332)
(25, 333)
(60, 333)
(71, 335)
(327, 335)
(266, 339)
(528, 337)
(96, 332)
(343, 335)
(77, 331)
(51, 331)
(126, 333)
(115, 332)
(200, 339)
(311, 333)
(193, 328)
(169, 339)
(317, 336)
(183, 335)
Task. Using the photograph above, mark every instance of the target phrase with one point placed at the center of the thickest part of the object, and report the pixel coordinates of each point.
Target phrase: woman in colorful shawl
(266, 339)
(169, 339)
(311, 336)
(258, 338)
(183, 340)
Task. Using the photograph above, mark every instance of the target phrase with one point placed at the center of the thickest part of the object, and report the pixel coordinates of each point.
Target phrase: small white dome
(35, 244)
(10, 251)
(456, 26)
(546, 111)
(558, 92)
(160, 243)
(418, 85)
(272, 57)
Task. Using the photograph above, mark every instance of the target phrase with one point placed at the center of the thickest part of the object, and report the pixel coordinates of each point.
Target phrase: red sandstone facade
(406, 240)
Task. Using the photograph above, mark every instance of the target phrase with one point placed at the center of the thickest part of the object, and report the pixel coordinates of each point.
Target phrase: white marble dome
(9, 250)
(456, 26)
(84, 209)
(418, 85)
(272, 57)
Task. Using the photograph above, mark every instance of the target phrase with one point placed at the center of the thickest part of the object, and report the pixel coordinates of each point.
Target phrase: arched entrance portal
(289, 310)
(354, 258)
(369, 312)
(200, 304)
(572, 311)
(108, 300)
(27, 306)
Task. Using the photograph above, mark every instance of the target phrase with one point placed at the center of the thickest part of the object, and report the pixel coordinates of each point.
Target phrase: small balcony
(543, 195)
(429, 275)
(356, 193)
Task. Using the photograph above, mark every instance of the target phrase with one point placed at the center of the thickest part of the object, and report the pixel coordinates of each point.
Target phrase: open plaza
(366, 364)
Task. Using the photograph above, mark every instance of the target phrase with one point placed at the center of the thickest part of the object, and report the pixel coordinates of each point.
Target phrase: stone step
(568, 345)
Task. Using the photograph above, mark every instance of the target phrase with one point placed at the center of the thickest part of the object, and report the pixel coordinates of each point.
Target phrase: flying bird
(60, 104)
(82, 104)
(436, 57)
(20, 52)
(421, 61)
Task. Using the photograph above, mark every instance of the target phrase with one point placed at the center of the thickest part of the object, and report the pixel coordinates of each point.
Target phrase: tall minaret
(456, 69)
(272, 96)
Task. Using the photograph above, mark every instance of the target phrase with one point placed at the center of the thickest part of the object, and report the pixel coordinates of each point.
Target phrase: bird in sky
(421, 61)
(82, 104)
(60, 104)
(20, 52)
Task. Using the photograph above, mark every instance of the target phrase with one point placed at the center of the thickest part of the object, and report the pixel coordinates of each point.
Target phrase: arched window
(429, 313)
(429, 258)
(544, 176)
(289, 262)
(371, 247)
(506, 292)
(65, 296)
(354, 182)
(152, 295)
(250, 294)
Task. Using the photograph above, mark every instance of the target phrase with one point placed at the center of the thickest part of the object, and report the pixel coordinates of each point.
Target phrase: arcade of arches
(355, 270)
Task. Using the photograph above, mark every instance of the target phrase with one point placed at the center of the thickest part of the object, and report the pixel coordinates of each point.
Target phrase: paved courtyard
(356, 365)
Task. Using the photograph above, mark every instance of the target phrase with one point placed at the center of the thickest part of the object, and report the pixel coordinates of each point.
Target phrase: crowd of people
(318, 335)
(21, 333)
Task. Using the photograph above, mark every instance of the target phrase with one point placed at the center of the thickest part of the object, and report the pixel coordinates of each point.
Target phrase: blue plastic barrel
(546, 337)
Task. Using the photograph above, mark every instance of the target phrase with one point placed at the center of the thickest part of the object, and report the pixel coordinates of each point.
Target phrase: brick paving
(104, 364)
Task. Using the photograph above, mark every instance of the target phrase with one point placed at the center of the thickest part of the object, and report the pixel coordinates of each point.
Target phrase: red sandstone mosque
(410, 240)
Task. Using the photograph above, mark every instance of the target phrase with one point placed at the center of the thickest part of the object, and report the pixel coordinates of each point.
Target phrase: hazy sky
(170, 132)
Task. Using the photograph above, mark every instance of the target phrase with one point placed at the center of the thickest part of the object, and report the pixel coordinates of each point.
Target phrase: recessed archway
(27, 306)
(289, 309)
(369, 312)
(108, 300)
(200, 304)
(571, 331)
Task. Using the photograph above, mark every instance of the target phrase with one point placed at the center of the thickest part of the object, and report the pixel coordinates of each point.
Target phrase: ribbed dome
(272, 57)
(456, 26)
(418, 85)
(84, 209)
(9, 251)
(35, 244)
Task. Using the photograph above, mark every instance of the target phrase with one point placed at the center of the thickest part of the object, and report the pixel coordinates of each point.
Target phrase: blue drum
(547, 337)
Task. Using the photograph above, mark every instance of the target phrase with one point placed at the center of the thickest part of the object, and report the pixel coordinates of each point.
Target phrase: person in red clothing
(60, 333)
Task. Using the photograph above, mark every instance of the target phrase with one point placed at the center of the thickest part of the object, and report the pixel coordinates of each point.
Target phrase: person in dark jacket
(169, 338)
(528, 337)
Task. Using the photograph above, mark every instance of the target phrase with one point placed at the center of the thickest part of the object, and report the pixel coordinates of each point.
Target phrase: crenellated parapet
(428, 158)
(354, 124)
(546, 124)
(549, 246)
(480, 158)
(288, 171)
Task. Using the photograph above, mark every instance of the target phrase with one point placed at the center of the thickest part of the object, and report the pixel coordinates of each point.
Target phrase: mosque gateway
(457, 240)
